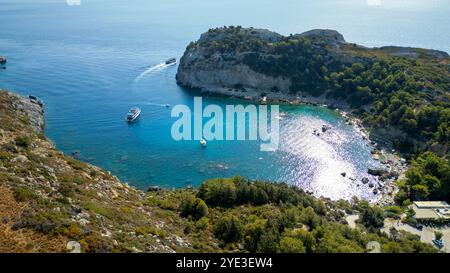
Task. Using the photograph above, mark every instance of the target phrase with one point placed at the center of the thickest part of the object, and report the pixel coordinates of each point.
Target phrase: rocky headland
(320, 67)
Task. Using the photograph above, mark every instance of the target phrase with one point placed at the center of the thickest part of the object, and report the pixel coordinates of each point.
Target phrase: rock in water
(376, 171)
(3, 60)
(153, 188)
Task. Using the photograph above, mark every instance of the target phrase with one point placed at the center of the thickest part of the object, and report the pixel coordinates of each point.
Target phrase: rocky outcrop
(331, 37)
(34, 110)
(318, 66)
(199, 68)
(223, 61)
(413, 52)
(3, 60)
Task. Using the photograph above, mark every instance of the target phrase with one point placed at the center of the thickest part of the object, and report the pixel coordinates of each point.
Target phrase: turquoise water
(91, 63)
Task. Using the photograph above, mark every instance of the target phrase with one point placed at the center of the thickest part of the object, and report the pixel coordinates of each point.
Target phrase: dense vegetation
(256, 216)
(427, 179)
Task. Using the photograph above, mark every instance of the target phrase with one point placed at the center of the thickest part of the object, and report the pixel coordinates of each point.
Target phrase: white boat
(133, 114)
(203, 142)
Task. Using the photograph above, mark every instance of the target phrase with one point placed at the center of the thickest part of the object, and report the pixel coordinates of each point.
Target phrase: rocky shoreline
(394, 166)
(94, 201)
(384, 188)
(235, 62)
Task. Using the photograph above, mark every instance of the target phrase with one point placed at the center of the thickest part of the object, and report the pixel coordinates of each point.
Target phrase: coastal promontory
(400, 93)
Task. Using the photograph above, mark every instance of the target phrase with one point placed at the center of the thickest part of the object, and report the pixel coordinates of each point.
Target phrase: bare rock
(73, 247)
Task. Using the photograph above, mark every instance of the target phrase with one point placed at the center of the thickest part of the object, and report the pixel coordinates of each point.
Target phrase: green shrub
(23, 194)
(73, 231)
(371, 217)
(23, 141)
(218, 192)
(95, 243)
(202, 224)
(97, 208)
(228, 229)
(67, 189)
(4, 156)
(291, 245)
(393, 212)
(76, 164)
(72, 179)
(193, 206)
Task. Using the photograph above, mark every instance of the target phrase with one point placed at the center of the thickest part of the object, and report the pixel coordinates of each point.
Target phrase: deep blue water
(91, 63)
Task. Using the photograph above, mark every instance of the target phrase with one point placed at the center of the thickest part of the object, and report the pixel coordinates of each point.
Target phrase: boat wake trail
(157, 104)
(151, 70)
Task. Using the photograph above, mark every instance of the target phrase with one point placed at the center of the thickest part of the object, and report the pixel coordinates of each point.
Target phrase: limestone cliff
(229, 60)
(199, 68)
(388, 87)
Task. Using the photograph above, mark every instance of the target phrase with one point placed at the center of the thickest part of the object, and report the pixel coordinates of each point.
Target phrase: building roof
(426, 214)
(432, 204)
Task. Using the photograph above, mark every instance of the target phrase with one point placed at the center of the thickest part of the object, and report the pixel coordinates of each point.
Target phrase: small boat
(133, 114)
(3, 60)
(167, 105)
(264, 100)
(203, 142)
(171, 61)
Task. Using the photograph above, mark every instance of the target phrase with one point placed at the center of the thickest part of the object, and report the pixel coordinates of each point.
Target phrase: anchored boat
(133, 114)
(203, 142)
(2, 60)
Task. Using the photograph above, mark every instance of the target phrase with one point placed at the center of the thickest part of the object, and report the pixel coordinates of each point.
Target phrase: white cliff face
(207, 66)
(199, 69)
(219, 74)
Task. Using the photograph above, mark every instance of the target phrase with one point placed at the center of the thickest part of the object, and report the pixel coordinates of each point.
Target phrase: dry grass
(21, 240)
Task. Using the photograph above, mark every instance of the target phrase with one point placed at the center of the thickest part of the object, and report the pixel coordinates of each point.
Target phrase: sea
(91, 60)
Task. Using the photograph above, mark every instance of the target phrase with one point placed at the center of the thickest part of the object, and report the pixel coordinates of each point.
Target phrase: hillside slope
(48, 198)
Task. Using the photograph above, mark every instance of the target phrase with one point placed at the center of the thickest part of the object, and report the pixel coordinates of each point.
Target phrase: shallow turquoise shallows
(91, 63)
